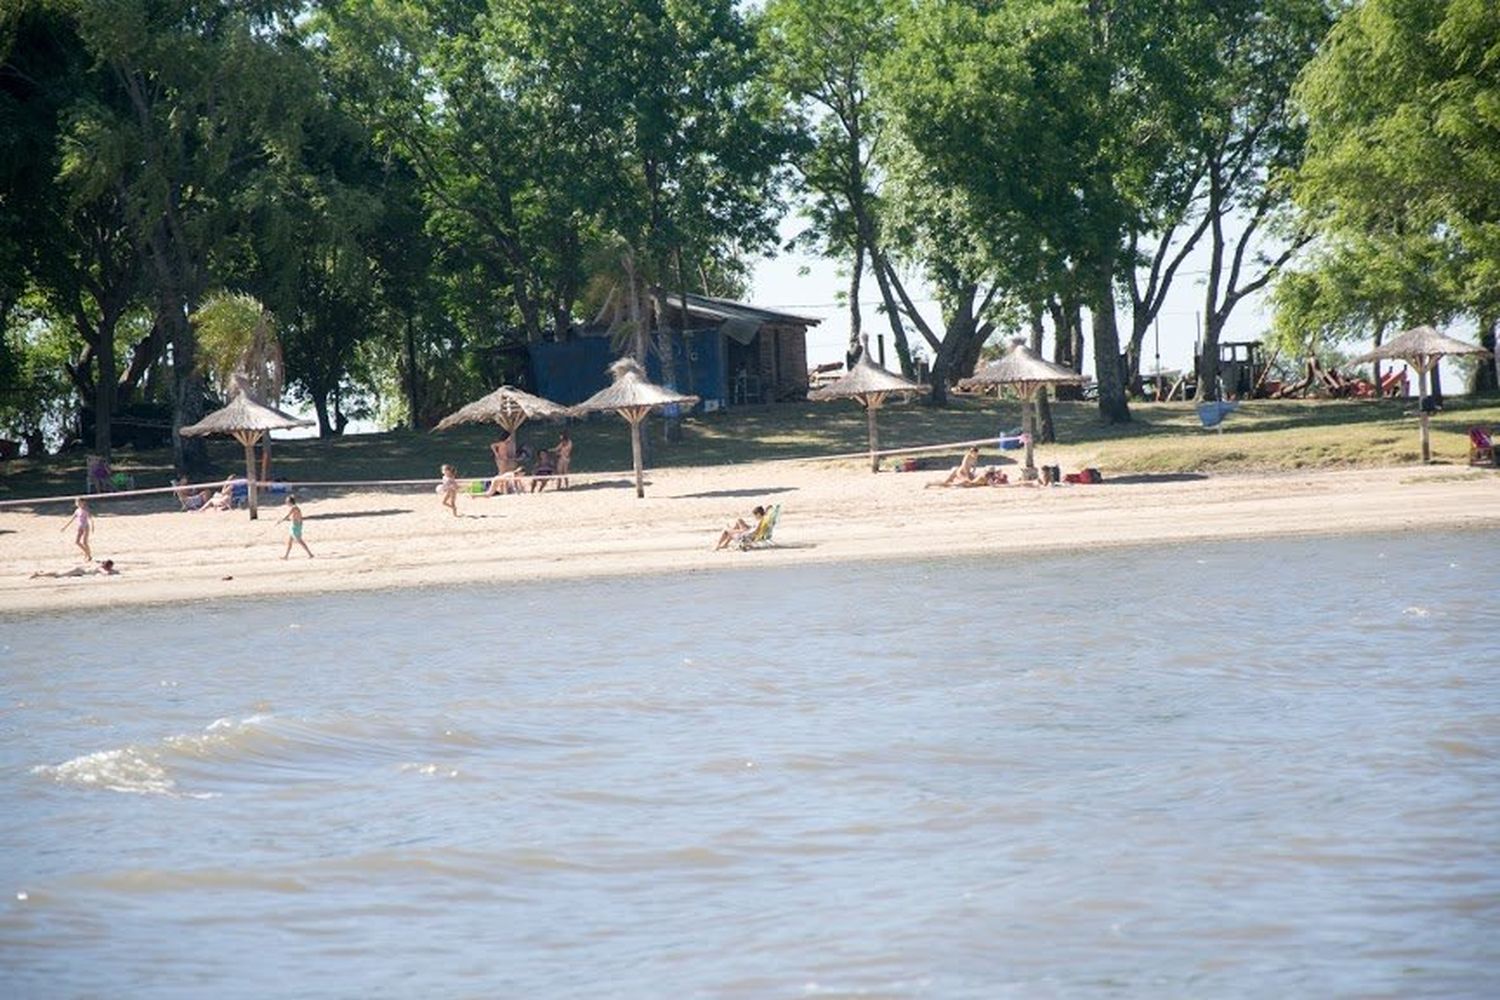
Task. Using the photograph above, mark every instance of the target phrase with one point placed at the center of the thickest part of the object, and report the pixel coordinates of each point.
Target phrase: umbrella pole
(1422, 416)
(248, 440)
(635, 451)
(871, 405)
(1028, 429)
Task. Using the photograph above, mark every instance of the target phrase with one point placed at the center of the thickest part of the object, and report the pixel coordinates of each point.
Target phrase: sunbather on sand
(224, 499)
(962, 474)
(989, 475)
(739, 529)
(105, 568)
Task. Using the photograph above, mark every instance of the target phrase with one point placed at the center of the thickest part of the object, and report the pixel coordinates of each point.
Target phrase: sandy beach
(403, 538)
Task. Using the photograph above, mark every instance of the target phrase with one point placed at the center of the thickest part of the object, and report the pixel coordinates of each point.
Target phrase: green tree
(1048, 115)
(208, 101)
(824, 56)
(1403, 162)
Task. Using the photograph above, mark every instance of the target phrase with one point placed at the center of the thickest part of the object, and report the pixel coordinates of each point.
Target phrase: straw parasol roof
(631, 390)
(507, 406)
(1422, 347)
(633, 397)
(1418, 344)
(244, 413)
(865, 380)
(1023, 368)
(247, 420)
(868, 384)
(1027, 372)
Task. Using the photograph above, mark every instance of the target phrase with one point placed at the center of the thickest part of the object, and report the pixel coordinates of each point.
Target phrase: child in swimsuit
(448, 488)
(294, 514)
(85, 527)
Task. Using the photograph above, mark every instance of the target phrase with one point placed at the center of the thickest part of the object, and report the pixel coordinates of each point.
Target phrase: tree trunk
(190, 455)
(1113, 407)
(671, 425)
(961, 329)
(104, 386)
(1486, 377)
(412, 403)
(320, 408)
(851, 353)
(879, 264)
(1046, 432)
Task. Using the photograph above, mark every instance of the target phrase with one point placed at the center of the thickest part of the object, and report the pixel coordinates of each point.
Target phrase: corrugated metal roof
(720, 310)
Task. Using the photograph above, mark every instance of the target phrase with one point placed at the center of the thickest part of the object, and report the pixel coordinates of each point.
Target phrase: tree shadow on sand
(1154, 477)
(342, 515)
(715, 494)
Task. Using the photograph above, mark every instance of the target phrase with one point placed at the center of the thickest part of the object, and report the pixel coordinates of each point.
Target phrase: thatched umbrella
(868, 384)
(633, 398)
(247, 420)
(1422, 347)
(507, 406)
(1028, 373)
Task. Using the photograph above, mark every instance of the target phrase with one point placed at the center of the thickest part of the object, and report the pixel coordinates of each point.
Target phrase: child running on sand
(294, 514)
(448, 488)
(85, 527)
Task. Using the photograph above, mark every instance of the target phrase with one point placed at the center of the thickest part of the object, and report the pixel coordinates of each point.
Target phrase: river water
(1249, 770)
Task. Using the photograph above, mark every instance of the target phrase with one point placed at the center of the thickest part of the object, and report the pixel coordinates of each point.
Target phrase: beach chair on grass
(1212, 414)
(760, 538)
(102, 479)
(1481, 447)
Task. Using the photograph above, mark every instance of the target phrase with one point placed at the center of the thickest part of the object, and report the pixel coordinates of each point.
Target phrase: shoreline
(383, 540)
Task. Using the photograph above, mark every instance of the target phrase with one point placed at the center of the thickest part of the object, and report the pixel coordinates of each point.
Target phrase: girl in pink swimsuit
(85, 527)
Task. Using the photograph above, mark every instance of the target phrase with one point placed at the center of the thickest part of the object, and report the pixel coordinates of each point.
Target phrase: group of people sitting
(206, 499)
(518, 470)
(231, 493)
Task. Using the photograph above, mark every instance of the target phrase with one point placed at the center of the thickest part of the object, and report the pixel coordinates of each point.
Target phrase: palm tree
(237, 337)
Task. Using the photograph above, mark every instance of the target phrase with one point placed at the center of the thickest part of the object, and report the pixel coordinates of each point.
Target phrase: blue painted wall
(571, 371)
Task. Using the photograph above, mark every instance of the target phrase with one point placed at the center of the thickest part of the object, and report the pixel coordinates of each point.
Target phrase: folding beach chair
(1481, 447)
(100, 478)
(1212, 414)
(761, 537)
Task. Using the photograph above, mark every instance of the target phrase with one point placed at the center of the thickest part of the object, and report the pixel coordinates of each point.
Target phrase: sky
(809, 286)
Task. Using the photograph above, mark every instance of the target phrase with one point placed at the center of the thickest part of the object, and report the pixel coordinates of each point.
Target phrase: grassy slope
(1164, 438)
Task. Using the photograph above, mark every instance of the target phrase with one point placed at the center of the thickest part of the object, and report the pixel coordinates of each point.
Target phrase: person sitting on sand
(962, 474)
(224, 499)
(739, 529)
(562, 454)
(543, 471)
(987, 475)
(189, 499)
(105, 568)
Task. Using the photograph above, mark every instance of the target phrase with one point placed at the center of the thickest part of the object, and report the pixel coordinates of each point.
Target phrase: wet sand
(830, 513)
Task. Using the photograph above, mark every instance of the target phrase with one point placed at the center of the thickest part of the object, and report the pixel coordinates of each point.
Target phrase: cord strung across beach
(574, 476)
